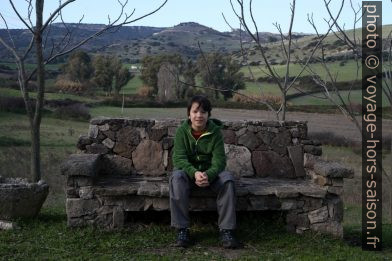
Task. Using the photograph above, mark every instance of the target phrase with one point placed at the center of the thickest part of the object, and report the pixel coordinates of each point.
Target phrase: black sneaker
(183, 238)
(228, 239)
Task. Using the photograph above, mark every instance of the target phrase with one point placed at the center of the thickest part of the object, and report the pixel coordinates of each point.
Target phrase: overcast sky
(206, 12)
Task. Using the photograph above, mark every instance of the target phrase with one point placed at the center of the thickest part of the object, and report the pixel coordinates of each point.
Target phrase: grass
(263, 234)
(349, 70)
(54, 132)
(8, 92)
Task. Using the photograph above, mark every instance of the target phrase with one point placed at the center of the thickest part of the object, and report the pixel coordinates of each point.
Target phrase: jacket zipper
(203, 135)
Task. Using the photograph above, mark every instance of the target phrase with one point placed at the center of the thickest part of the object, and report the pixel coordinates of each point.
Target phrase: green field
(344, 73)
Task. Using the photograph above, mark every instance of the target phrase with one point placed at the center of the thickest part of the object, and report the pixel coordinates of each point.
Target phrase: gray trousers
(180, 186)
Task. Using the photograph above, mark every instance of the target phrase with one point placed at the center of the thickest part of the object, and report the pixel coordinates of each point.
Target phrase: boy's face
(198, 117)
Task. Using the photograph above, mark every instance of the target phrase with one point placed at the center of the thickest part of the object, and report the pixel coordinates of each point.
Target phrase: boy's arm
(218, 161)
(180, 157)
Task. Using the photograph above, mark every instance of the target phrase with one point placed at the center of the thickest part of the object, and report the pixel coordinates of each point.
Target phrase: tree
(284, 82)
(40, 32)
(152, 64)
(110, 73)
(221, 73)
(79, 67)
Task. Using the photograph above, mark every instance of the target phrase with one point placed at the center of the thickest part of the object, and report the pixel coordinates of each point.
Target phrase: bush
(12, 104)
(68, 86)
(146, 91)
(76, 111)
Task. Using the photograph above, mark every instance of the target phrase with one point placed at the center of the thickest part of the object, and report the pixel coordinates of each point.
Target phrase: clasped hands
(201, 179)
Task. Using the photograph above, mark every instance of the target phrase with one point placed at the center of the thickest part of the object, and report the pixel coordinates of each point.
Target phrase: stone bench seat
(123, 166)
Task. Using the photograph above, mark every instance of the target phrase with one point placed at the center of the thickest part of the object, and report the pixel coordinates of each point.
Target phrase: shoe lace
(227, 234)
(183, 234)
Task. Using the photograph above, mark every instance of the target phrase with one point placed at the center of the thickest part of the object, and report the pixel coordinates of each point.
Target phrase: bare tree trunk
(35, 128)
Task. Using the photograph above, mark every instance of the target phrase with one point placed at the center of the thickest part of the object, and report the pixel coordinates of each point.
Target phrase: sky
(205, 12)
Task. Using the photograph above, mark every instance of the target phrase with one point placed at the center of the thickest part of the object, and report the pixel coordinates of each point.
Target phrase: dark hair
(202, 101)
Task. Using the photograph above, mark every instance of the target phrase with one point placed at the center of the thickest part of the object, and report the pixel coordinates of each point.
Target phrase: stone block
(332, 228)
(335, 190)
(93, 131)
(81, 165)
(312, 203)
(238, 161)
(337, 182)
(335, 209)
(83, 141)
(318, 215)
(128, 138)
(108, 143)
(116, 165)
(249, 140)
(76, 207)
(297, 219)
(118, 218)
(332, 169)
(157, 133)
(148, 158)
(269, 163)
(86, 192)
(96, 148)
(229, 136)
(297, 159)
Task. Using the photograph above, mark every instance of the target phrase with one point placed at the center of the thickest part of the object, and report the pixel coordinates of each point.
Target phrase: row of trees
(81, 73)
(217, 73)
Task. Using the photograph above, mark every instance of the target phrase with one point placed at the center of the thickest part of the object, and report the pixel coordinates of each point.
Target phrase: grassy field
(349, 70)
(150, 237)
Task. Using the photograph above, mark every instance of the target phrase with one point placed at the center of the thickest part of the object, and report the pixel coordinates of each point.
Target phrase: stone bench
(123, 166)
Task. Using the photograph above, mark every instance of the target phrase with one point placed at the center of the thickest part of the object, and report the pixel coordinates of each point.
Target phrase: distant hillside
(133, 42)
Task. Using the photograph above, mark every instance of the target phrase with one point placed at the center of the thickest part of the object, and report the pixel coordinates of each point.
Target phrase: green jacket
(205, 154)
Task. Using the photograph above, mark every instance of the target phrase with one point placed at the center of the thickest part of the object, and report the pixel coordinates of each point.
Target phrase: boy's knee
(178, 175)
(226, 176)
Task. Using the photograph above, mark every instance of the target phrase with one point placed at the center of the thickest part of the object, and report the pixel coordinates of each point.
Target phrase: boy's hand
(201, 179)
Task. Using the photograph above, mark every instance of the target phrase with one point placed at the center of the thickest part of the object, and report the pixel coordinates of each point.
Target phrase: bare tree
(40, 33)
(285, 82)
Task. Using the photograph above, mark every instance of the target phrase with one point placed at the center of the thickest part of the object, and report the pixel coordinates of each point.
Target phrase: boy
(199, 161)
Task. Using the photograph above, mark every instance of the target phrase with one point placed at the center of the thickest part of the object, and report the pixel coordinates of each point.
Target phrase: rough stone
(127, 140)
(335, 209)
(108, 143)
(83, 141)
(249, 140)
(96, 148)
(157, 133)
(110, 134)
(337, 182)
(296, 157)
(93, 131)
(118, 218)
(81, 165)
(318, 215)
(229, 137)
(104, 127)
(86, 192)
(117, 165)
(19, 198)
(333, 228)
(289, 204)
(335, 190)
(280, 142)
(265, 136)
(269, 163)
(239, 160)
(148, 158)
(167, 143)
(241, 131)
(312, 203)
(332, 169)
(79, 207)
(171, 131)
(7, 225)
(297, 220)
